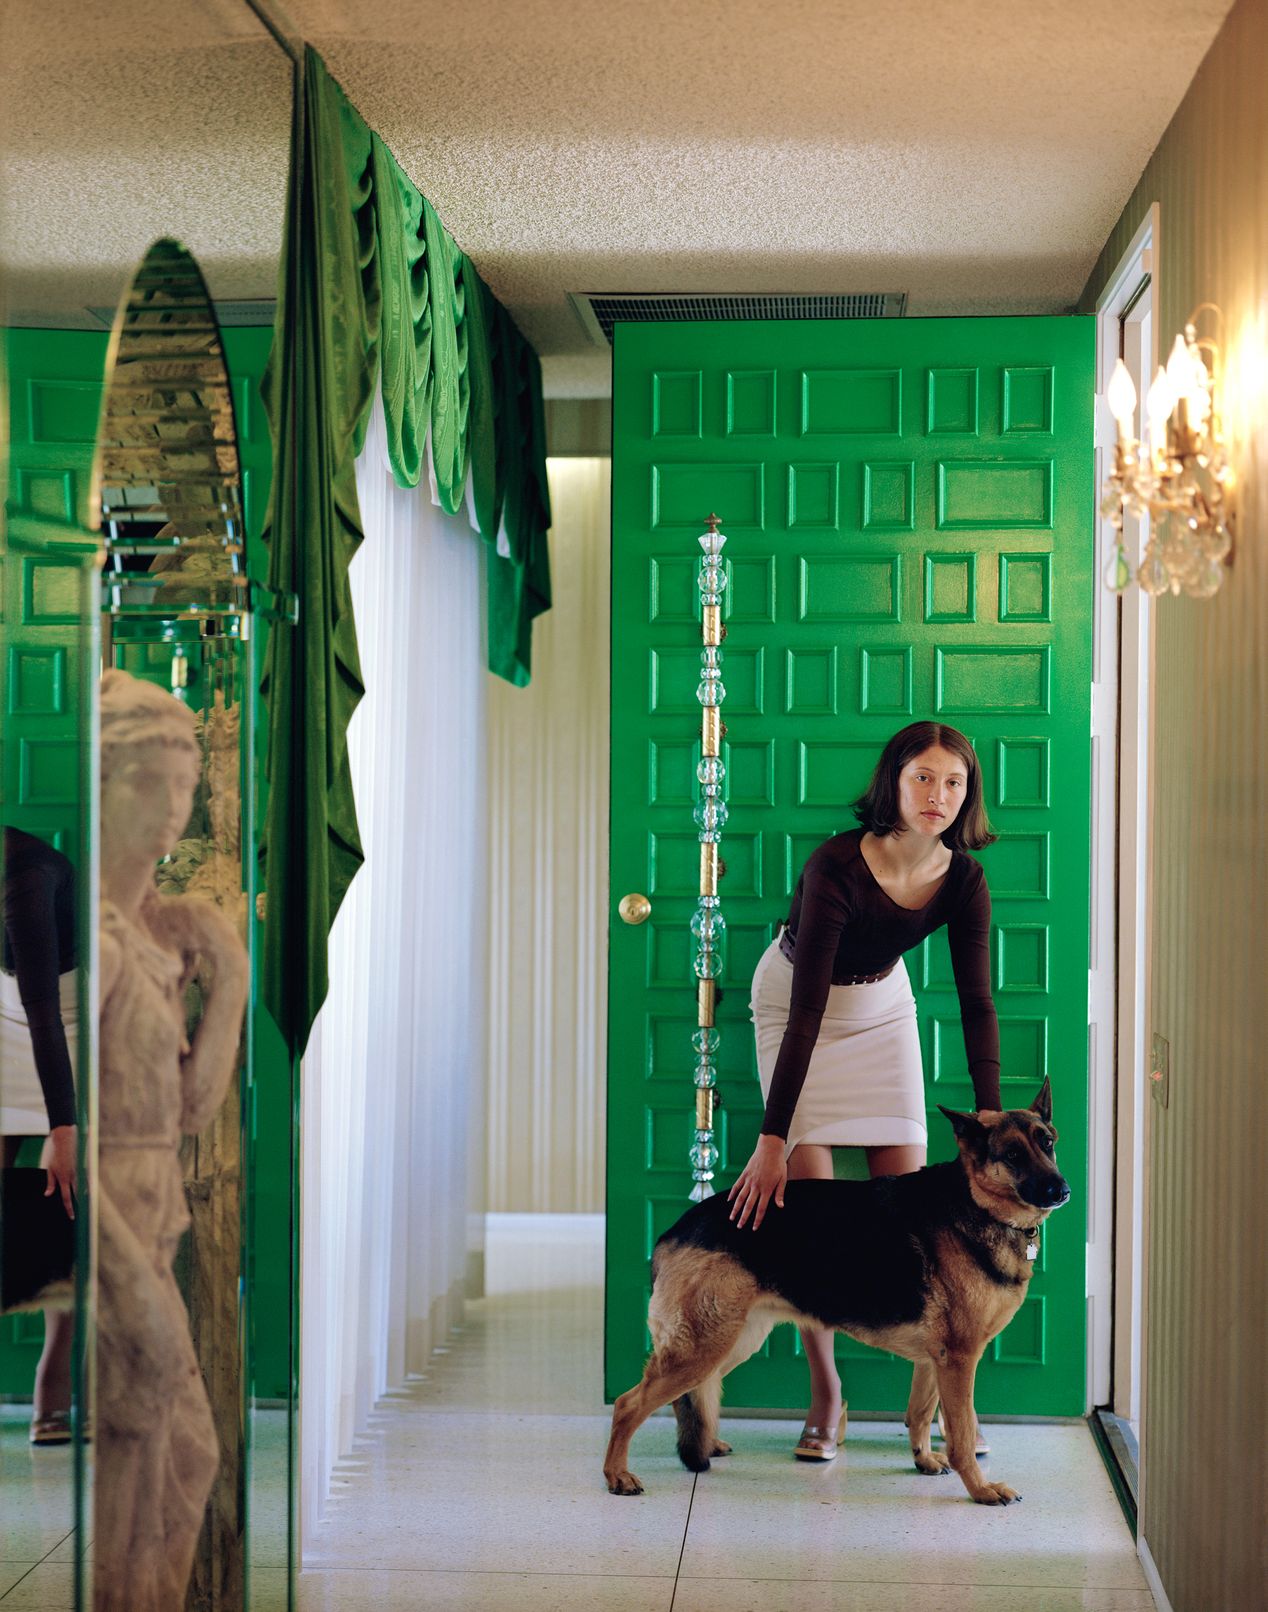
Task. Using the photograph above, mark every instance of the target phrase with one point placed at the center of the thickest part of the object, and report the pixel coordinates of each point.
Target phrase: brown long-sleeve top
(842, 923)
(39, 946)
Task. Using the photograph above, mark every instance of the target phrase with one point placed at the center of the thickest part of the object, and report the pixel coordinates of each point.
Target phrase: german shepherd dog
(931, 1266)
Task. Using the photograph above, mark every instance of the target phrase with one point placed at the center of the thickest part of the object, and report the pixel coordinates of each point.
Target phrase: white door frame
(1118, 986)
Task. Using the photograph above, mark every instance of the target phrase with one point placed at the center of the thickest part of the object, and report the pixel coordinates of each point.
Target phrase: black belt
(788, 948)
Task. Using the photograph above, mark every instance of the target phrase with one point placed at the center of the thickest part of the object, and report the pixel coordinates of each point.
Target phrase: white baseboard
(527, 1253)
(1152, 1577)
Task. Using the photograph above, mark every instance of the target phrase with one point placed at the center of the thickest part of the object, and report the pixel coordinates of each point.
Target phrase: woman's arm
(819, 923)
(969, 932)
(30, 925)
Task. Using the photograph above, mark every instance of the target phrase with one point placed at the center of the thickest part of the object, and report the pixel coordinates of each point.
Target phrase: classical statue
(156, 1444)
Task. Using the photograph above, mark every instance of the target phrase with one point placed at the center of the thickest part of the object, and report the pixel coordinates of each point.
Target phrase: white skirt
(865, 1084)
(22, 1110)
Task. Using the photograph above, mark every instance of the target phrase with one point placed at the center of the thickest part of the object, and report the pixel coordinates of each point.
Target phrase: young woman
(837, 1046)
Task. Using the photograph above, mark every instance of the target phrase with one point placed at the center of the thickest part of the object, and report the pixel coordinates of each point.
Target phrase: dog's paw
(933, 1465)
(721, 1447)
(624, 1483)
(995, 1494)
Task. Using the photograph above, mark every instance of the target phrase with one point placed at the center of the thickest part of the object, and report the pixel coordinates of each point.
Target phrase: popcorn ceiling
(975, 154)
(124, 120)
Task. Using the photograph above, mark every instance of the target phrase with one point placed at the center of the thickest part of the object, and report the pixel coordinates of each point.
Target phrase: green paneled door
(54, 395)
(908, 506)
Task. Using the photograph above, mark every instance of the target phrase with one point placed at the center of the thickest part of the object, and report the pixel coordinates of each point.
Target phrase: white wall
(548, 877)
(1202, 1503)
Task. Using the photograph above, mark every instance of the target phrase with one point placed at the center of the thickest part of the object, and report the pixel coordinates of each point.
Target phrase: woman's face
(146, 803)
(931, 790)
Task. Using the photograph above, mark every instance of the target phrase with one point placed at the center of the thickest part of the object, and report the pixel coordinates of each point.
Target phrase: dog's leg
(700, 1304)
(697, 1413)
(920, 1409)
(665, 1378)
(956, 1372)
(706, 1400)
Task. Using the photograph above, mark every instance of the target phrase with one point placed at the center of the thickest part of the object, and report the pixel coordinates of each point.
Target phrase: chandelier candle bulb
(1158, 398)
(1180, 373)
(1159, 402)
(1198, 401)
(1120, 394)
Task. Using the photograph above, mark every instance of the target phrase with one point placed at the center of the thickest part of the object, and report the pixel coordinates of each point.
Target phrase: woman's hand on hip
(761, 1179)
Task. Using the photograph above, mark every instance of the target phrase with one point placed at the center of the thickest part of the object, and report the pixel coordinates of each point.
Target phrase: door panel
(908, 507)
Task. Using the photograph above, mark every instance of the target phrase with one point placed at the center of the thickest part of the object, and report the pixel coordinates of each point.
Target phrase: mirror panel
(173, 1310)
(100, 161)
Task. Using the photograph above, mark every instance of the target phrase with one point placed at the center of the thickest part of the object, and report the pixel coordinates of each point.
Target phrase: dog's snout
(1045, 1191)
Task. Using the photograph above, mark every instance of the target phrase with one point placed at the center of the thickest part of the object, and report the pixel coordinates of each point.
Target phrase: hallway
(480, 1489)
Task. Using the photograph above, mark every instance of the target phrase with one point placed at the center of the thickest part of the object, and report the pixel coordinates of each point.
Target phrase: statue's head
(150, 766)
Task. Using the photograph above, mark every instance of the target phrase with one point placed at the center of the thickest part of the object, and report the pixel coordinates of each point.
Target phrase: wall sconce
(1181, 478)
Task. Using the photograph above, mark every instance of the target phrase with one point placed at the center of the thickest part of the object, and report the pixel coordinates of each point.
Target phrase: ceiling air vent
(252, 311)
(599, 311)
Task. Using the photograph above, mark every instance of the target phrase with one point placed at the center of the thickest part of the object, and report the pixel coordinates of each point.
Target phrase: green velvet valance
(373, 290)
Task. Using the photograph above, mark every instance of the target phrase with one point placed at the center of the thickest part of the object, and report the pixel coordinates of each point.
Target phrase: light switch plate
(1160, 1069)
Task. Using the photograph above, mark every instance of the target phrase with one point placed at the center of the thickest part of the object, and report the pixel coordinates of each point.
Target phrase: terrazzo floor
(37, 1533)
(479, 1488)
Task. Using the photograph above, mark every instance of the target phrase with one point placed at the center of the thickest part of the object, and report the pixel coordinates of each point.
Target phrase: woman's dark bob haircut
(877, 810)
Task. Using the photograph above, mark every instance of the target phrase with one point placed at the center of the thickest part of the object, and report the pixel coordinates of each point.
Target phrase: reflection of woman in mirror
(157, 1452)
(38, 1023)
(837, 1045)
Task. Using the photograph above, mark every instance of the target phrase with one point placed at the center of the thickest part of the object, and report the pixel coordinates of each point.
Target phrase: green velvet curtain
(373, 289)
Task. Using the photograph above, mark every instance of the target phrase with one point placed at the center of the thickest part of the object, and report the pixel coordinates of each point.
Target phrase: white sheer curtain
(399, 1045)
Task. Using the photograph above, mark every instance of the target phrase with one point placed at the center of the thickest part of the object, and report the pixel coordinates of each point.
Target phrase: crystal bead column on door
(708, 926)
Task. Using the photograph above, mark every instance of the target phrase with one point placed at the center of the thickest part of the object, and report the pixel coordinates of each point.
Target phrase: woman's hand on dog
(761, 1179)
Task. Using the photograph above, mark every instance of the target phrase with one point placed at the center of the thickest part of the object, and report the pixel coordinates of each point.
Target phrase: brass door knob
(634, 909)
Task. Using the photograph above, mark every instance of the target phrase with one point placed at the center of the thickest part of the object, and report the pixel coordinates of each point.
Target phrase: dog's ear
(968, 1129)
(1042, 1104)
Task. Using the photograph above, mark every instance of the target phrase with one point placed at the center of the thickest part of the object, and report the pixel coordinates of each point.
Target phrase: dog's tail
(697, 1413)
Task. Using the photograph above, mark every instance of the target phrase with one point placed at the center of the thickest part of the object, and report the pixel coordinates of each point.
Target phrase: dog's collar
(1031, 1234)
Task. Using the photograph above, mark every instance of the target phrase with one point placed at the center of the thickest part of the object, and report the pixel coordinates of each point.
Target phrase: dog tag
(1032, 1250)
